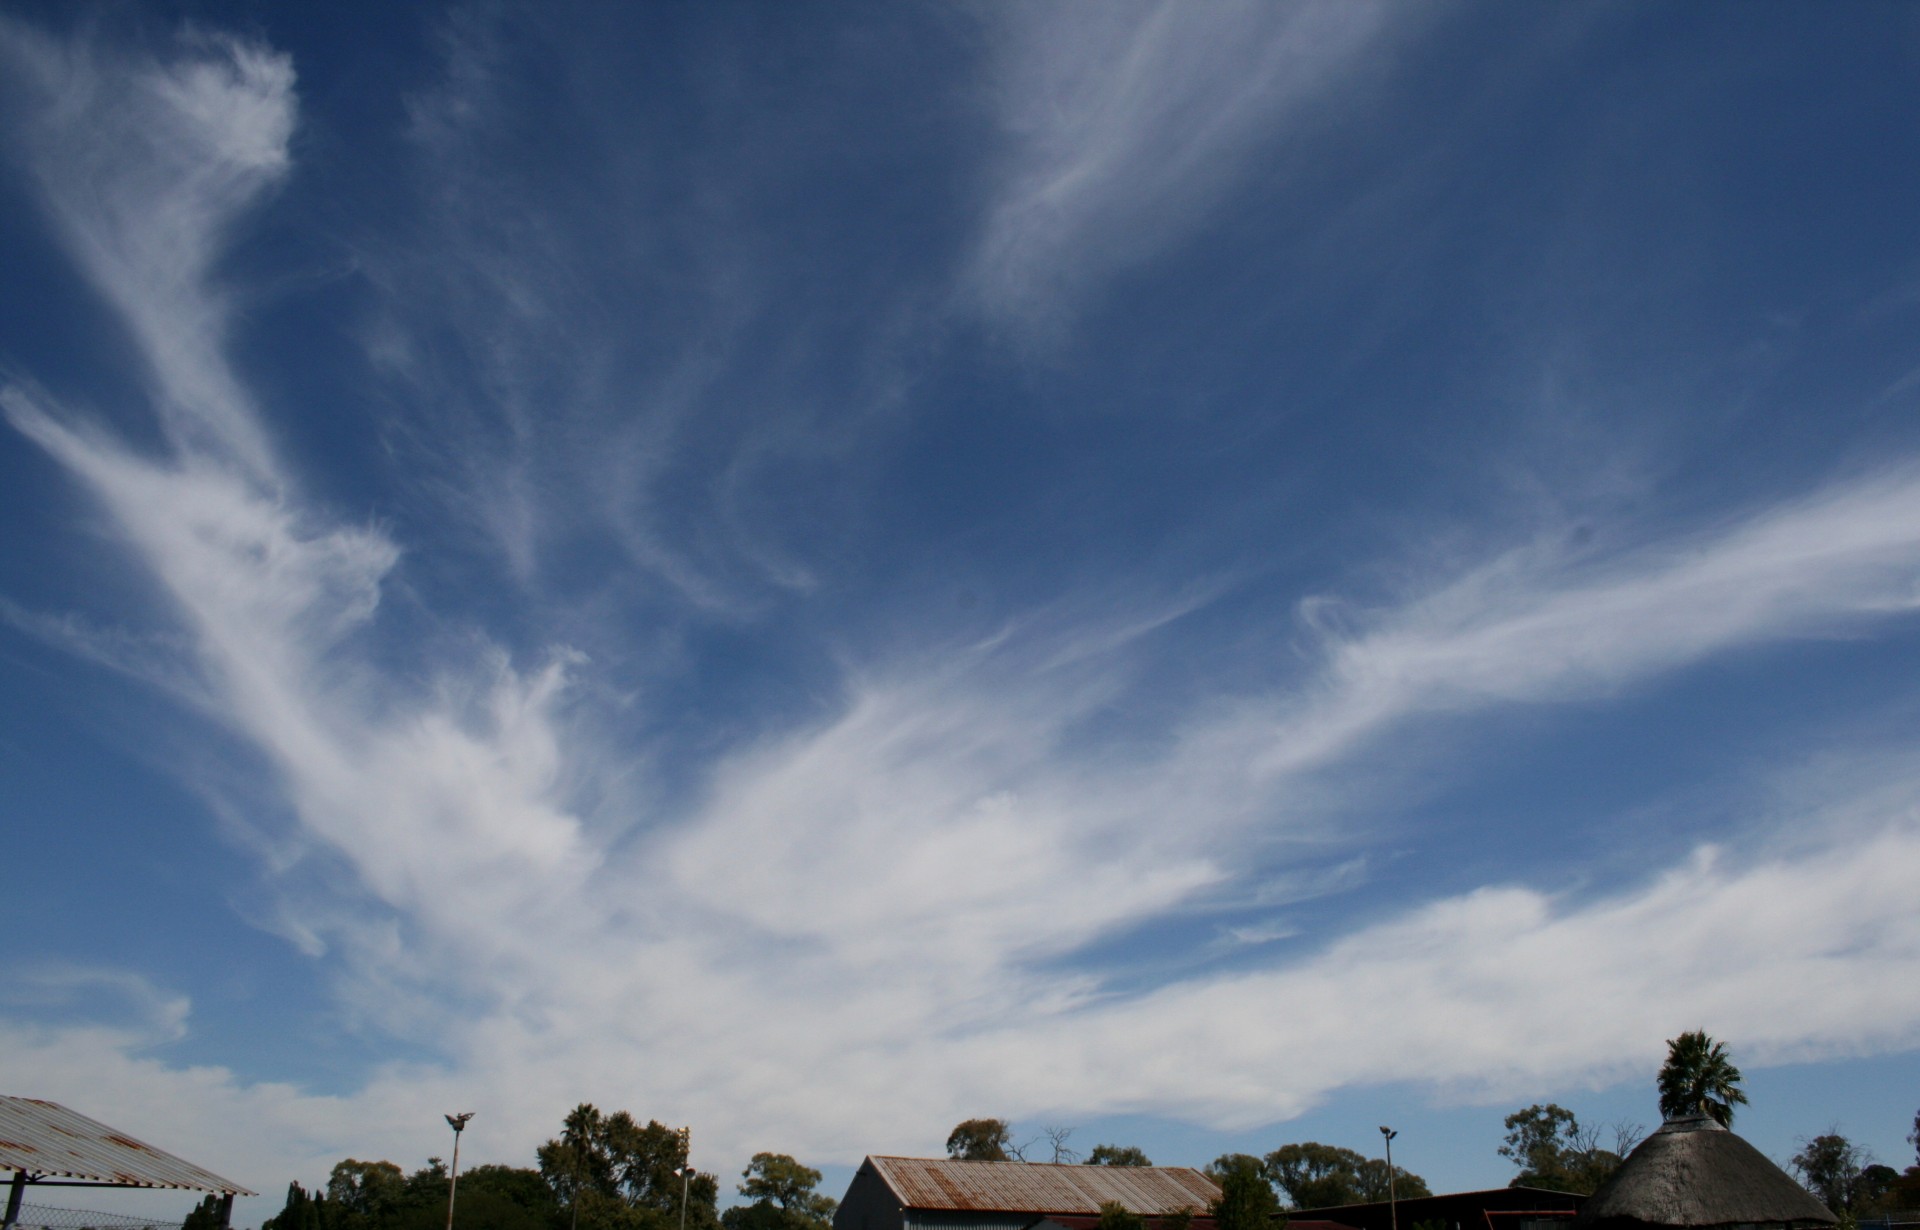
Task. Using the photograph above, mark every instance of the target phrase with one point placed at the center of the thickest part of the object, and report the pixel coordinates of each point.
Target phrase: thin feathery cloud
(144, 168)
(870, 897)
(1127, 123)
(1537, 625)
(95, 994)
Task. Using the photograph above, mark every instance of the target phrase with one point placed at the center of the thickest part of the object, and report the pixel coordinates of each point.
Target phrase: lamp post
(1393, 1204)
(457, 1123)
(686, 1177)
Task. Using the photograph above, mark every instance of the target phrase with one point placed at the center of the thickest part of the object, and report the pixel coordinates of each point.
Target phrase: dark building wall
(1502, 1208)
(869, 1203)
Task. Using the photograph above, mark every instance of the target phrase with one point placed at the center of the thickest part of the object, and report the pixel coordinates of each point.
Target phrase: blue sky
(1216, 575)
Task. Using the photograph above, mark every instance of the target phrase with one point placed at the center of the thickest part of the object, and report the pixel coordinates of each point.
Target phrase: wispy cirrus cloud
(889, 895)
(171, 158)
(1551, 622)
(1127, 122)
(92, 994)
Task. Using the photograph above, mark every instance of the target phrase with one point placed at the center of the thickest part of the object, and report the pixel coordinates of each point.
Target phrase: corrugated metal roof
(1087, 1221)
(45, 1138)
(1033, 1187)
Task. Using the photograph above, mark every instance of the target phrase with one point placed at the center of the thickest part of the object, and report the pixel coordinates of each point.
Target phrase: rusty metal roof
(45, 1138)
(1035, 1187)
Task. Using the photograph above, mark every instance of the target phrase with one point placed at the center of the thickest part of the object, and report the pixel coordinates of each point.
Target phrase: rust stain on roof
(1033, 1187)
(49, 1139)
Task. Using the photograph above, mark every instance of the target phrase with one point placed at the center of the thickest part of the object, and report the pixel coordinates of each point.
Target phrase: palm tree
(1698, 1078)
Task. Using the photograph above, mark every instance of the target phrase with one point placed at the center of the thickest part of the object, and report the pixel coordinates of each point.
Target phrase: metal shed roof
(45, 1138)
(1038, 1187)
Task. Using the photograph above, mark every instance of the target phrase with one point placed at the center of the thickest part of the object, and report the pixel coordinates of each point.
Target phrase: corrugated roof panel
(1032, 1187)
(45, 1138)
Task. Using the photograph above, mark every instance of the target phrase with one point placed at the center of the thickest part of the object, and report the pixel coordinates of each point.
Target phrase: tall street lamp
(1393, 1205)
(457, 1123)
(686, 1177)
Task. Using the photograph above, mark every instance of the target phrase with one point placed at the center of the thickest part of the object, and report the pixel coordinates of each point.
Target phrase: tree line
(609, 1172)
(602, 1172)
(1548, 1145)
(1253, 1189)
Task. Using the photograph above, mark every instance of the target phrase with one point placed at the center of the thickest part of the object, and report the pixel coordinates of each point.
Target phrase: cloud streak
(1127, 122)
(895, 896)
(1539, 625)
(144, 168)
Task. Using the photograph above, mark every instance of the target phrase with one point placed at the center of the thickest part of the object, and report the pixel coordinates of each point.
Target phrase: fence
(46, 1217)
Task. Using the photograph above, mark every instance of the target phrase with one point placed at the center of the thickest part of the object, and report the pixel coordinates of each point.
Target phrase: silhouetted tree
(303, 1211)
(980, 1140)
(1117, 1155)
(1830, 1165)
(205, 1215)
(1056, 1138)
(1699, 1078)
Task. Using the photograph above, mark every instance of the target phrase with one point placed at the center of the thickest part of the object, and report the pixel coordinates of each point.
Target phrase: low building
(918, 1193)
(1501, 1208)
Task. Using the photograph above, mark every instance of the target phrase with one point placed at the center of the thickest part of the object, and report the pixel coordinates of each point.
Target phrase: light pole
(1393, 1205)
(686, 1177)
(457, 1123)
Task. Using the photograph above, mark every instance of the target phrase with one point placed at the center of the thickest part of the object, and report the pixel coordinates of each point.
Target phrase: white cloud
(96, 994)
(144, 168)
(855, 935)
(1538, 625)
(1128, 121)
(1797, 955)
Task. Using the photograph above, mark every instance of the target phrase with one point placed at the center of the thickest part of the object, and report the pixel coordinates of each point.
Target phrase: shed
(914, 1193)
(47, 1145)
(1693, 1174)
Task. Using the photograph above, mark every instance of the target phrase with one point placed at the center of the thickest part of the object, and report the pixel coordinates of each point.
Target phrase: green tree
(760, 1215)
(574, 1163)
(611, 1173)
(1316, 1176)
(980, 1140)
(1246, 1199)
(782, 1191)
(1699, 1078)
(778, 1178)
(1873, 1187)
(1538, 1139)
(364, 1194)
(1117, 1216)
(1829, 1166)
(1235, 1163)
(1373, 1182)
(1117, 1155)
(491, 1198)
(1553, 1151)
(303, 1211)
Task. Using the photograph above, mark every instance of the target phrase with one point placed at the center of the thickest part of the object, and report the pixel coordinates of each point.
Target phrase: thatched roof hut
(1694, 1174)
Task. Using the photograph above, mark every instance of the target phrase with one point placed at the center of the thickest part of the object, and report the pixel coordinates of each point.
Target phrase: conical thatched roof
(1695, 1173)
